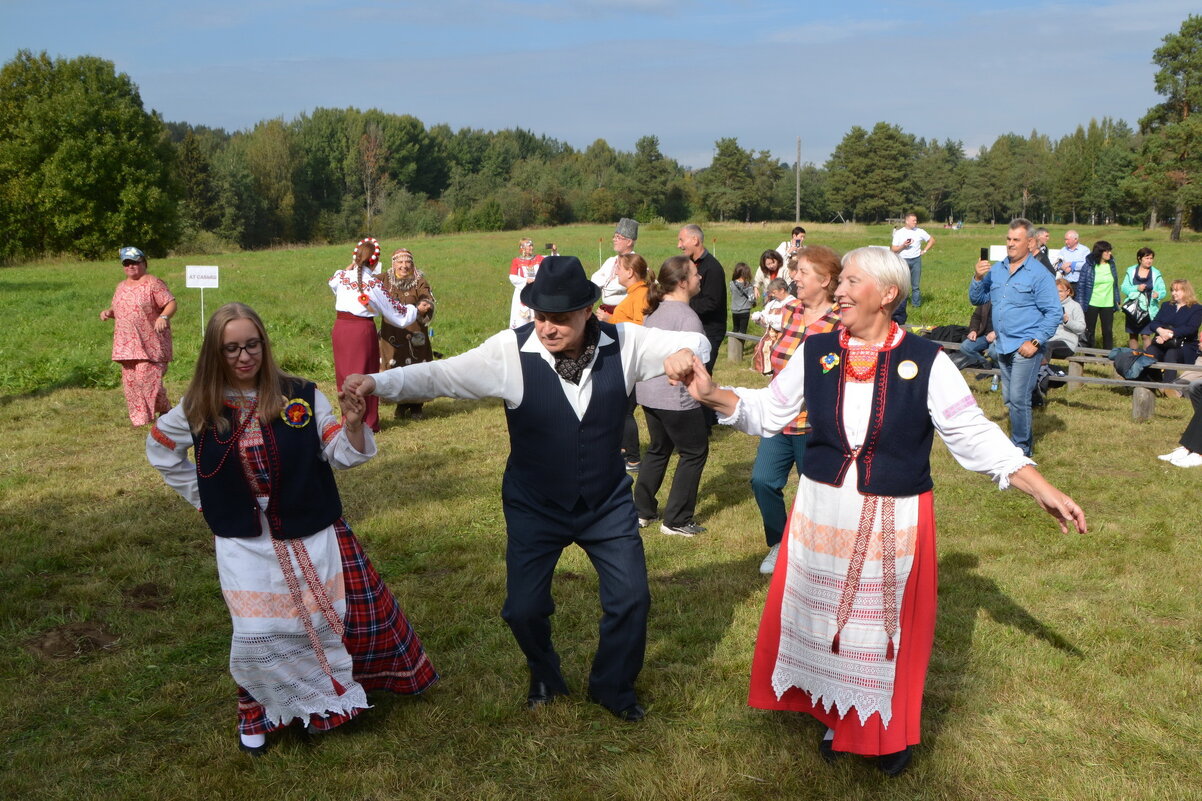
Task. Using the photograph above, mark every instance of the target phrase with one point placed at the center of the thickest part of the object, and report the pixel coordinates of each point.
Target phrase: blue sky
(578, 70)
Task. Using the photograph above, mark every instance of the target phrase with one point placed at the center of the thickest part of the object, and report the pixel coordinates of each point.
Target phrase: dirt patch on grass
(72, 640)
(146, 596)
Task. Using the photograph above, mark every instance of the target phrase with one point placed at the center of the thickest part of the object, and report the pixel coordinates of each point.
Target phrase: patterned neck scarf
(570, 369)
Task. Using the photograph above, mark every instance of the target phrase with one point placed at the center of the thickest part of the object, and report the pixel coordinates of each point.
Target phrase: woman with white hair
(849, 622)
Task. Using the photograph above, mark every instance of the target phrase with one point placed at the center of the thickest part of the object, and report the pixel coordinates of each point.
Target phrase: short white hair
(886, 268)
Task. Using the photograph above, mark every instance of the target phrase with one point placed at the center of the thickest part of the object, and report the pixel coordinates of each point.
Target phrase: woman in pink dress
(141, 310)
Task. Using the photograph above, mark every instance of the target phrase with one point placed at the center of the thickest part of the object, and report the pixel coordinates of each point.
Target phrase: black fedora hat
(560, 286)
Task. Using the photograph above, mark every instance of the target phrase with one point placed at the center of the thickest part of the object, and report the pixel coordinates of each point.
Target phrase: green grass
(1064, 667)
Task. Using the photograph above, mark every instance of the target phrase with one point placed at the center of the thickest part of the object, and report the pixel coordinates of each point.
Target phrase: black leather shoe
(893, 764)
(631, 714)
(827, 751)
(540, 694)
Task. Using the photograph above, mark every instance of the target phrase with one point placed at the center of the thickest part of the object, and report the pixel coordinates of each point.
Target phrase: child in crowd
(742, 297)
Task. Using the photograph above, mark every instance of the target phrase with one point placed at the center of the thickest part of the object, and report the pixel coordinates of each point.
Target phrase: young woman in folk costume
(314, 626)
(358, 298)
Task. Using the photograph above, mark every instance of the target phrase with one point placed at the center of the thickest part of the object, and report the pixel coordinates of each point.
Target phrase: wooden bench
(1143, 393)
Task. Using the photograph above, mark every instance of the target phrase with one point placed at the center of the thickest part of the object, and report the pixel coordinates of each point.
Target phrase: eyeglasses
(233, 350)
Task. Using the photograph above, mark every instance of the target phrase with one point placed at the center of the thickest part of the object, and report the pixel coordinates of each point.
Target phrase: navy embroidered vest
(556, 455)
(897, 463)
(304, 497)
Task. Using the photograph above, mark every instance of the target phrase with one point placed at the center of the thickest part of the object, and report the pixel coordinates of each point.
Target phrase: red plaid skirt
(385, 651)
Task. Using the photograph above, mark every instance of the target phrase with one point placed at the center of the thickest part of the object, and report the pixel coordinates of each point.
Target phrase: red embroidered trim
(298, 601)
(855, 569)
(889, 568)
(162, 438)
(329, 432)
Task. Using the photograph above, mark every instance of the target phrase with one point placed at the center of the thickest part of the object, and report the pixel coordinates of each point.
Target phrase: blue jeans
(1019, 374)
(769, 475)
(899, 314)
(915, 279)
(977, 347)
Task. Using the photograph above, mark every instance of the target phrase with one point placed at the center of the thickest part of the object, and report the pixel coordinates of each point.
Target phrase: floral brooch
(297, 413)
(829, 362)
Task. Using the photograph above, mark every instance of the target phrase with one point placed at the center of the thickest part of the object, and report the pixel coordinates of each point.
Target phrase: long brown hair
(672, 273)
(204, 400)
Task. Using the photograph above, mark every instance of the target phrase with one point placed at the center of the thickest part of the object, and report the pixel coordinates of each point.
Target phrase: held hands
(358, 384)
(684, 368)
(353, 409)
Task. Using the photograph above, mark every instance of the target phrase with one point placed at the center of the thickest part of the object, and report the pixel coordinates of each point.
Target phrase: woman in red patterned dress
(142, 307)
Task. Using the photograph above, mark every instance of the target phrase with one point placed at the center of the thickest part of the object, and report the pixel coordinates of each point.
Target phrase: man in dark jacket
(710, 302)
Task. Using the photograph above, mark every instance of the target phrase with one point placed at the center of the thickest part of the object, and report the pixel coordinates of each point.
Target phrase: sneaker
(1177, 453)
(769, 563)
(686, 530)
(646, 521)
(1190, 459)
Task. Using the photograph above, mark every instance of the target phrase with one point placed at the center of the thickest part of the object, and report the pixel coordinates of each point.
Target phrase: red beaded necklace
(862, 359)
(230, 443)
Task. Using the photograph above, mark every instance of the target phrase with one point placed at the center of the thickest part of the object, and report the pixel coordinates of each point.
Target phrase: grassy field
(1065, 667)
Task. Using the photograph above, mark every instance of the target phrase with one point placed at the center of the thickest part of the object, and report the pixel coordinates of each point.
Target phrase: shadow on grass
(78, 377)
(963, 593)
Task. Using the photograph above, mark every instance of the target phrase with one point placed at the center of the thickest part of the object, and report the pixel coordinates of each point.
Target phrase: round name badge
(907, 369)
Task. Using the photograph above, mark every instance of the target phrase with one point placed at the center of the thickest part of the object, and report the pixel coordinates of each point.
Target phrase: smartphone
(985, 254)
(549, 246)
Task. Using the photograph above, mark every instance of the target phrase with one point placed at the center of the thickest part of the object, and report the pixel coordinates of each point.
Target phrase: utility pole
(797, 185)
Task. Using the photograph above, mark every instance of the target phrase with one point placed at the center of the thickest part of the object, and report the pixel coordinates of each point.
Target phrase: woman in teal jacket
(1144, 284)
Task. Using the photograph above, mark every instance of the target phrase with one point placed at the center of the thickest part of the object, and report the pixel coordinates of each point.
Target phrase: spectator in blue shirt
(1026, 311)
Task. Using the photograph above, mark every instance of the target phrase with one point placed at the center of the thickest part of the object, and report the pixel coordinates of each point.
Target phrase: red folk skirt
(357, 350)
(917, 620)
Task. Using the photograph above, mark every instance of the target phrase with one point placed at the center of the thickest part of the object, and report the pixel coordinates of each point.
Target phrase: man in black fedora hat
(564, 378)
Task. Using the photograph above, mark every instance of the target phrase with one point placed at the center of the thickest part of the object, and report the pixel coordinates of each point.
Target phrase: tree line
(84, 167)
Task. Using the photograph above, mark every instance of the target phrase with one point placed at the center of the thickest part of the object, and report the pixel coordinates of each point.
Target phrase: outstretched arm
(492, 370)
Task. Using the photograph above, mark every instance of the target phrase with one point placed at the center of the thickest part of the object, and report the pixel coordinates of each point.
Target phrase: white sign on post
(201, 277)
(997, 253)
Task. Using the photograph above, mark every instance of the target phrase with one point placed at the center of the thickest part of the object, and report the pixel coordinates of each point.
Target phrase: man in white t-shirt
(612, 292)
(788, 249)
(911, 243)
(1072, 256)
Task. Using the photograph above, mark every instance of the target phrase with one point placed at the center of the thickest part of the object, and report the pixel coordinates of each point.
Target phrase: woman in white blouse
(848, 626)
(358, 298)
